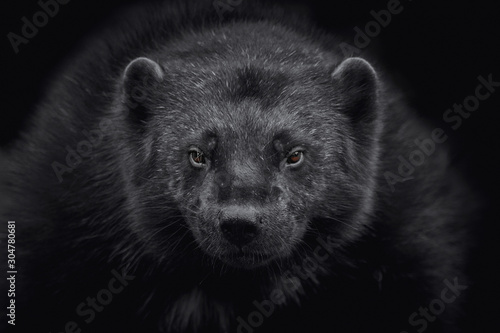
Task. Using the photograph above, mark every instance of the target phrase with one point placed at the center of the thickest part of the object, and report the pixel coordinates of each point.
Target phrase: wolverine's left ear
(140, 81)
(356, 82)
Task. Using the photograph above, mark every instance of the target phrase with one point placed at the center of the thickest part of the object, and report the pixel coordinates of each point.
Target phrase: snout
(246, 236)
(239, 231)
(240, 225)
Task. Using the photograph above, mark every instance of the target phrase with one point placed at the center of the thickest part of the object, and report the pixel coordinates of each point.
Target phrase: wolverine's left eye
(196, 157)
(295, 157)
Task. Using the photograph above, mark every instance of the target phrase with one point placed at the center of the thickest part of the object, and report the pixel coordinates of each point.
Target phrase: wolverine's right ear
(140, 80)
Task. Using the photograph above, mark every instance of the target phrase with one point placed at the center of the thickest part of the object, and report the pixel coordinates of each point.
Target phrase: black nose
(239, 231)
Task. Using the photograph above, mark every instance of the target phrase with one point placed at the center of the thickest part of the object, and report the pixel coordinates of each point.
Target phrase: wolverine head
(253, 155)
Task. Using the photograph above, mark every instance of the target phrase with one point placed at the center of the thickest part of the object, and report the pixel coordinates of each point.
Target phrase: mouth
(246, 260)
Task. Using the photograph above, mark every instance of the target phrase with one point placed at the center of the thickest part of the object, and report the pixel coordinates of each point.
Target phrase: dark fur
(136, 203)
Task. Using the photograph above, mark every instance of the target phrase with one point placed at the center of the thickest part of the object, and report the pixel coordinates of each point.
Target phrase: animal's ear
(140, 81)
(357, 84)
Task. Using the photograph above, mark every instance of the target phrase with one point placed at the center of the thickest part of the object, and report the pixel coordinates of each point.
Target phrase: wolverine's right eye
(196, 157)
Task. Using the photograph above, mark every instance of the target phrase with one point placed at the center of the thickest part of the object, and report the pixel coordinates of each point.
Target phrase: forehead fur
(218, 81)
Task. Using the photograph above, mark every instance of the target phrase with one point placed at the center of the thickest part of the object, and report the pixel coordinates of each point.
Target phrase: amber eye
(196, 157)
(295, 157)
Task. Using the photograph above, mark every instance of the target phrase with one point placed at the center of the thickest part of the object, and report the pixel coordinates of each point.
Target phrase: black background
(435, 50)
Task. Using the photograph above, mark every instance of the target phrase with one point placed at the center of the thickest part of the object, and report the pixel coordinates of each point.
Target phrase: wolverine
(188, 171)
